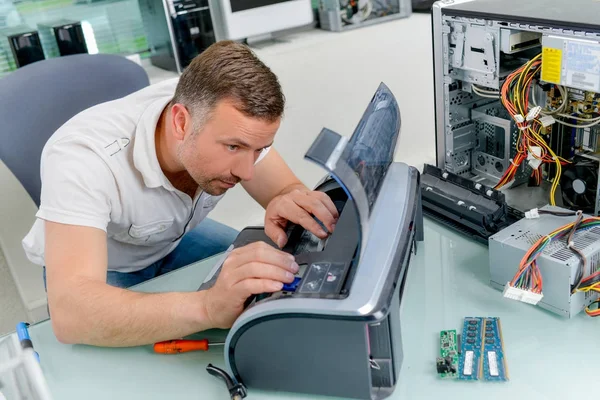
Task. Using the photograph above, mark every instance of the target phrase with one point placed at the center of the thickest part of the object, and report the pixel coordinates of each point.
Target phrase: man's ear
(182, 121)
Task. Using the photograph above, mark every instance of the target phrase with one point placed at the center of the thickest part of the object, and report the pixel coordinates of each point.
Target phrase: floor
(328, 78)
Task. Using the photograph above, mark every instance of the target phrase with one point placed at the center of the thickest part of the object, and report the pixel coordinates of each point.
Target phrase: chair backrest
(37, 99)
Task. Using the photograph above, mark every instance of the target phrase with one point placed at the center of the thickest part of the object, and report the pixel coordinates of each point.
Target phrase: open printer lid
(360, 164)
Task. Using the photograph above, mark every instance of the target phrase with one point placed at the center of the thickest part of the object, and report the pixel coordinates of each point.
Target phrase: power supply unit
(559, 264)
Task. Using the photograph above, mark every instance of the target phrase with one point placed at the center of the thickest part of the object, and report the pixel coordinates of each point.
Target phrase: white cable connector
(533, 213)
(512, 293)
(534, 162)
(533, 113)
(547, 120)
(524, 296)
(519, 118)
(532, 298)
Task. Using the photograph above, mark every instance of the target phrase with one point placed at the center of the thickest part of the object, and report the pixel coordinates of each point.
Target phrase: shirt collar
(144, 147)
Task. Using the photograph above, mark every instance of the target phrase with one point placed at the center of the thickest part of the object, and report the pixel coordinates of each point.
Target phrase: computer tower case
(62, 38)
(23, 43)
(177, 31)
(517, 109)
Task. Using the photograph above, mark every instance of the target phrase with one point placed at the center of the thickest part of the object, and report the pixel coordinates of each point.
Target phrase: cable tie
(513, 162)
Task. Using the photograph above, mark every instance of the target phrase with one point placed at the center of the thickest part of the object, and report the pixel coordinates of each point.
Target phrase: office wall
(115, 26)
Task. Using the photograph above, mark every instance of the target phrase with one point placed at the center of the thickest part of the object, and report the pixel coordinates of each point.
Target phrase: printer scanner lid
(360, 164)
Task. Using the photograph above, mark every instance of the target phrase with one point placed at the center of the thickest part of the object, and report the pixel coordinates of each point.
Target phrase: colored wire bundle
(587, 284)
(515, 98)
(593, 312)
(529, 277)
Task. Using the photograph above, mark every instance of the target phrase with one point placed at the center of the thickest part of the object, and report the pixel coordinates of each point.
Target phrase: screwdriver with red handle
(183, 346)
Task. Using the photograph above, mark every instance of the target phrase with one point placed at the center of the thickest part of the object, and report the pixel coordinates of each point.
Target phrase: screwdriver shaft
(183, 346)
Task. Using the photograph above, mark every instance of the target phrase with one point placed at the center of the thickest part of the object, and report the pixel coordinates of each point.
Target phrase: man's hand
(299, 206)
(253, 269)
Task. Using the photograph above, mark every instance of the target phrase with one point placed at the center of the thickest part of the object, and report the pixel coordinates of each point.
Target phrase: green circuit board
(447, 362)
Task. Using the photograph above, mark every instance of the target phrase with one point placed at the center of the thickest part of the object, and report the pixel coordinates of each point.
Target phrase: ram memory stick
(447, 362)
(470, 361)
(494, 362)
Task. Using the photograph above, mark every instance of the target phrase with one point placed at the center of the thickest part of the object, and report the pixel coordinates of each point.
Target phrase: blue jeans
(205, 240)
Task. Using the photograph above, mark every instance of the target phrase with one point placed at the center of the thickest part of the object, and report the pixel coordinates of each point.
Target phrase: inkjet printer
(336, 329)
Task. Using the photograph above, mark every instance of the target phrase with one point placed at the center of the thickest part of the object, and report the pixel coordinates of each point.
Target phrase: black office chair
(38, 98)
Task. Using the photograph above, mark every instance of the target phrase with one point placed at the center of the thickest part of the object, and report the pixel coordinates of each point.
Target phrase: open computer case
(517, 111)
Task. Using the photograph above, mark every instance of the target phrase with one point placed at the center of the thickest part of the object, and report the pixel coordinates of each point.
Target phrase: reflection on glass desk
(548, 357)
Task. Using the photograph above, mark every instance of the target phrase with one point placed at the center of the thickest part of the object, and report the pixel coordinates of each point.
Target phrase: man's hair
(230, 70)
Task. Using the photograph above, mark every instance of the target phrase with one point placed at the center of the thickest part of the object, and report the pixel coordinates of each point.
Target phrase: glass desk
(548, 357)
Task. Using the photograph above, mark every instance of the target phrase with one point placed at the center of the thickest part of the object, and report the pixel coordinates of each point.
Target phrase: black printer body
(336, 330)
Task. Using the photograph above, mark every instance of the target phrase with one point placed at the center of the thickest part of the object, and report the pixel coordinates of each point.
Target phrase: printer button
(291, 287)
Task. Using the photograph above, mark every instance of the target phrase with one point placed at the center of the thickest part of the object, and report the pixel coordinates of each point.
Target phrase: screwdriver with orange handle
(183, 346)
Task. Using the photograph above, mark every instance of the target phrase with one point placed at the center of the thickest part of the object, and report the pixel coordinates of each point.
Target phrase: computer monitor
(243, 19)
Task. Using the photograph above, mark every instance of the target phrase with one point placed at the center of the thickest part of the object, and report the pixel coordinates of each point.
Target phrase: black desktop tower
(24, 44)
(62, 38)
(70, 39)
(177, 31)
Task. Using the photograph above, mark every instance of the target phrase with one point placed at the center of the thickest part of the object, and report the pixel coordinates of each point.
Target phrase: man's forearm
(293, 186)
(272, 178)
(96, 314)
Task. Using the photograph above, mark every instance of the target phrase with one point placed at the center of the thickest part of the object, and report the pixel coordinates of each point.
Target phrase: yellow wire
(556, 159)
(595, 287)
(518, 94)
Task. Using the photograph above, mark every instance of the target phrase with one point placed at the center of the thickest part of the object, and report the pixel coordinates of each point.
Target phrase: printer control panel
(325, 264)
(323, 277)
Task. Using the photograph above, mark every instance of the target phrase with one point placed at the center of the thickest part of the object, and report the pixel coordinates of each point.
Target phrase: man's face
(225, 149)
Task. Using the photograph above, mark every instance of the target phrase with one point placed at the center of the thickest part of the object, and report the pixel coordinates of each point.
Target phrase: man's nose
(244, 170)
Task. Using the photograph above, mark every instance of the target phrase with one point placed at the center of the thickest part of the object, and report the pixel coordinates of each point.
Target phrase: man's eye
(232, 147)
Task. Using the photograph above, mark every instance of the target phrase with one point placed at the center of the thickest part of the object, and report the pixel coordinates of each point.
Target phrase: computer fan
(579, 184)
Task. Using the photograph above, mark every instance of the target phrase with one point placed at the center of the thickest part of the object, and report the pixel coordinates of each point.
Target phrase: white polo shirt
(100, 170)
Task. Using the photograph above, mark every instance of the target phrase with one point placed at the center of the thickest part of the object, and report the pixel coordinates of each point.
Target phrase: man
(126, 184)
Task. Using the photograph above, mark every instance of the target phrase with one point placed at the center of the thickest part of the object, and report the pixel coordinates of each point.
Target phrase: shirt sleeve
(77, 185)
